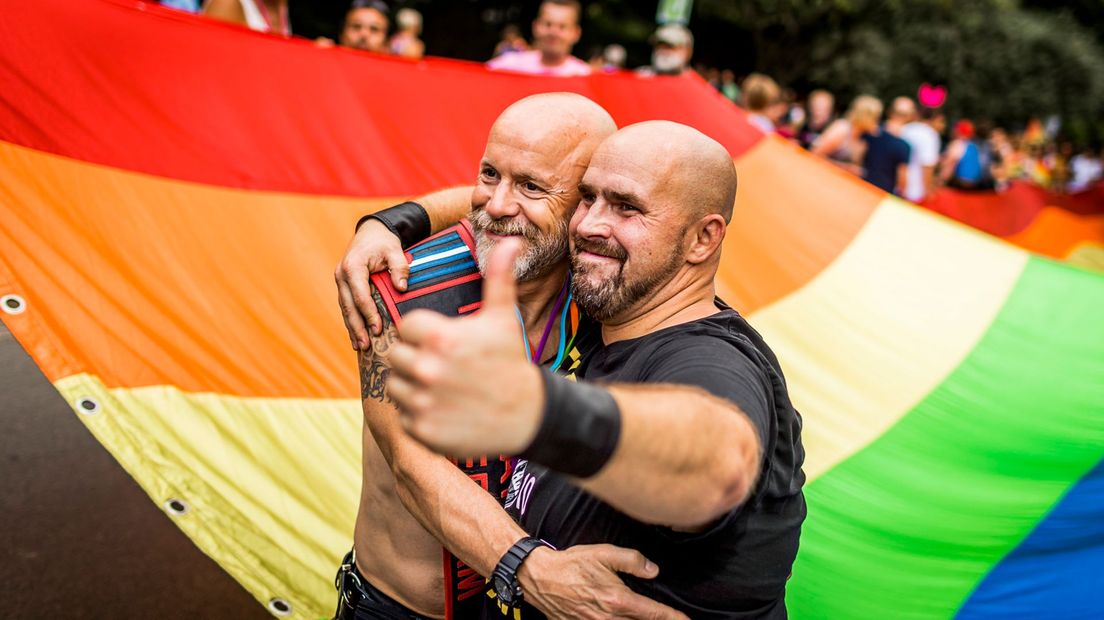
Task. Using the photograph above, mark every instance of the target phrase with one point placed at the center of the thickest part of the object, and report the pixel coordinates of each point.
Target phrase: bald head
(684, 163)
(903, 108)
(564, 124)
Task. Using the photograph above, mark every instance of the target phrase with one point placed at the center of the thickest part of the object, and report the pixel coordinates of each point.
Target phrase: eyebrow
(609, 194)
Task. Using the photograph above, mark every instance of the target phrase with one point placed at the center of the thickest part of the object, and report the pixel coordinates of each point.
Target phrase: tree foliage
(998, 60)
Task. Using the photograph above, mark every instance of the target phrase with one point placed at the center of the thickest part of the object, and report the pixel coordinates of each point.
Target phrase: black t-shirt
(737, 568)
(884, 153)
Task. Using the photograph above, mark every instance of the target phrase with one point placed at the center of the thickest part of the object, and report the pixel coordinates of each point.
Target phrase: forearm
(452, 507)
(929, 181)
(684, 457)
(446, 207)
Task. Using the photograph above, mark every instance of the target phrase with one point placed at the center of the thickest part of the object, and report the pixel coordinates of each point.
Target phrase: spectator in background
(672, 47)
(962, 165)
(922, 135)
(729, 87)
(555, 31)
(1085, 170)
(760, 95)
(787, 115)
(820, 113)
(406, 41)
(365, 27)
(608, 59)
(886, 157)
(842, 142)
(512, 41)
(260, 15)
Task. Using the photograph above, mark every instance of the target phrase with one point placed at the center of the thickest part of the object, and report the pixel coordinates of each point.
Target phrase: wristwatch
(504, 578)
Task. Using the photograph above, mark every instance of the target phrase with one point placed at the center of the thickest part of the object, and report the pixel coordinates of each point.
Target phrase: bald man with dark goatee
(680, 439)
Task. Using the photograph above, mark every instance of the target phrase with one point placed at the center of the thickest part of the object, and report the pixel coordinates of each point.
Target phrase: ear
(705, 237)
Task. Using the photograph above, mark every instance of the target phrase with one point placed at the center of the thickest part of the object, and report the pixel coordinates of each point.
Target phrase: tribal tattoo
(374, 364)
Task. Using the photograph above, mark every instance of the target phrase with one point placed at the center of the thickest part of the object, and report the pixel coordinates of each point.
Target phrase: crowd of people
(908, 148)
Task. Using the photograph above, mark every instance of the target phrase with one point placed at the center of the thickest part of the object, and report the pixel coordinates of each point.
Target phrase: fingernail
(650, 566)
(402, 283)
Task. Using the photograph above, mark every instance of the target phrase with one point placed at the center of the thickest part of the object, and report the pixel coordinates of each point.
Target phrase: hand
(462, 385)
(582, 582)
(374, 248)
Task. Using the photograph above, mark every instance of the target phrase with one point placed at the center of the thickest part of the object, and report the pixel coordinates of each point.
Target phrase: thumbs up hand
(463, 385)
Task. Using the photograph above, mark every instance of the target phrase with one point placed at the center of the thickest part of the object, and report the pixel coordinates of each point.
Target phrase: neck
(536, 298)
(894, 126)
(686, 297)
(552, 60)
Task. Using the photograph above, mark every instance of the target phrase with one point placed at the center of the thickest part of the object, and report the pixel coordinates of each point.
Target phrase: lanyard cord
(560, 308)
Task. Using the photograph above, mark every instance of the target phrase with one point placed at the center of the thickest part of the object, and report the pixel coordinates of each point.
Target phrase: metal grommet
(13, 304)
(176, 507)
(88, 405)
(279, 607)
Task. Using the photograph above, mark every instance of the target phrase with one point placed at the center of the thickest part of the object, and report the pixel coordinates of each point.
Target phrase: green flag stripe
(908, 526)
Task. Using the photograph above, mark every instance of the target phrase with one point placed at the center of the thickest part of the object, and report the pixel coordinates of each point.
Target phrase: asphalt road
(78, 537)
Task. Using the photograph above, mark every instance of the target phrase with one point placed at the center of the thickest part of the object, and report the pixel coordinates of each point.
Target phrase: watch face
(504, 589)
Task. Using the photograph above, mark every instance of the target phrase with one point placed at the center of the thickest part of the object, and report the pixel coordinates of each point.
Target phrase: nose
(592, 221)
(501, 203)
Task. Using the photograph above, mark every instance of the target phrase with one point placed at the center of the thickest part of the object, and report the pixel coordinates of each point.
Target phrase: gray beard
(543, 251)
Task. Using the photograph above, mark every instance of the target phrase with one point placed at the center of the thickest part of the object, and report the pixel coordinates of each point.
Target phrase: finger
(425, 328)
(405, 395)
(360, 289)
(354, 323)
(628, 561)
(399, 268)
(404, 361)
(499, 285)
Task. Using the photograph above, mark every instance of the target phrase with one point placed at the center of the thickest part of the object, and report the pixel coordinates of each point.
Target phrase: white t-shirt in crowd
(1085, 171)
(924, 142)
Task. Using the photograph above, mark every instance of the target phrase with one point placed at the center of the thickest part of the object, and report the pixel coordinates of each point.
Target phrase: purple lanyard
(535, 355)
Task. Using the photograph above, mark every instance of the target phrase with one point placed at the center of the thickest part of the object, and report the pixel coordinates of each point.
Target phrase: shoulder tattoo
(374, 364)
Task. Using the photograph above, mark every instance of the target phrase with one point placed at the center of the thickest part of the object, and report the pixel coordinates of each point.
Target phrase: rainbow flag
(1067, 227)
(175, 193)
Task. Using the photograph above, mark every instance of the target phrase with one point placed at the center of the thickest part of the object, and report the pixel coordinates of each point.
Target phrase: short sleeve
(720, 368)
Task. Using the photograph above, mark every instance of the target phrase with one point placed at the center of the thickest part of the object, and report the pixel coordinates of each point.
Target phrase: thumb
(629, 561)
(499, 285)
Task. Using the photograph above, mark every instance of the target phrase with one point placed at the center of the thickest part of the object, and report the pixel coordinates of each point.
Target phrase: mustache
(482, 222)
(601, 248)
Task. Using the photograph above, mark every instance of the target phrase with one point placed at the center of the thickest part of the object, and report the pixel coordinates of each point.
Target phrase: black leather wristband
(408, 221)
(580, 427)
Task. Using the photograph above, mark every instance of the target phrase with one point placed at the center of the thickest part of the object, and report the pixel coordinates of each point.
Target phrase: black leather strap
(408, 221)
(504, 578)
(579, 430)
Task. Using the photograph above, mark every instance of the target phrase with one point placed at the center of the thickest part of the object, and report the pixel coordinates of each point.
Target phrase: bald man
(414, 501)
(681, 441)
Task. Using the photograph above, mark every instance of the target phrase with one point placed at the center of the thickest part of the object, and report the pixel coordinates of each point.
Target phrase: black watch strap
(504, 578)
(408, 221)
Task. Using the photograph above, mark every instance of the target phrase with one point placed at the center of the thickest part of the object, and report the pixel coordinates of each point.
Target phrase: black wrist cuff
(579, 430)
(408, 221)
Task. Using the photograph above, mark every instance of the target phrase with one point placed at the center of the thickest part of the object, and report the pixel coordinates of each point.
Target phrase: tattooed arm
(457, 511)
(580, 582)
